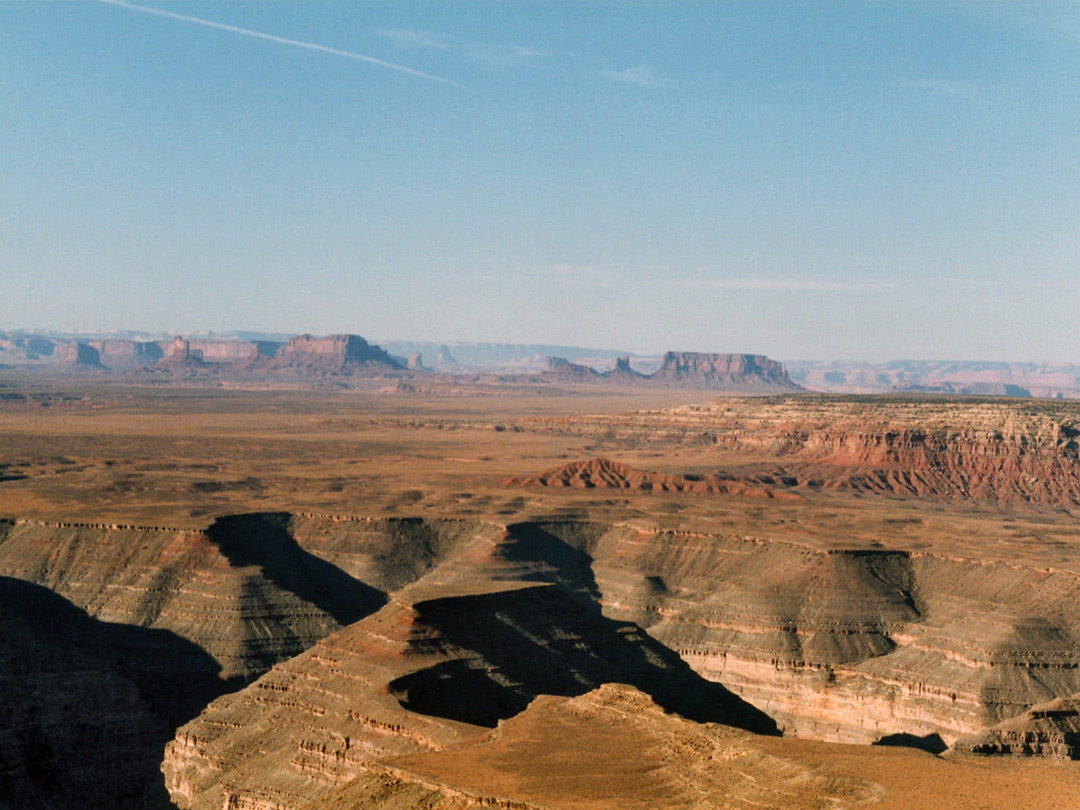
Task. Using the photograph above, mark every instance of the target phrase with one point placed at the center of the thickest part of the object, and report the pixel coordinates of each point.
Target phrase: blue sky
(868, 180)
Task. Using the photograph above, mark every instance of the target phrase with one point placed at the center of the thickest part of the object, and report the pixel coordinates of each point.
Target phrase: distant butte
(335, 354)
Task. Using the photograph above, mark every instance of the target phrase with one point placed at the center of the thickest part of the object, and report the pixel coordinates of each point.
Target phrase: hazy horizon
(859, 180)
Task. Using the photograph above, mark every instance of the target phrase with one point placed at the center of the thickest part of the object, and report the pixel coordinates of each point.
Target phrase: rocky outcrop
(1050, 729)
(180, 355)
(445, 357)
(623, 372)
(628, 751)
(334, 354)
(735, 371)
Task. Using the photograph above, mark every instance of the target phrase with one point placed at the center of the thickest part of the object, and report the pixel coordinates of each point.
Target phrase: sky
(807, 180)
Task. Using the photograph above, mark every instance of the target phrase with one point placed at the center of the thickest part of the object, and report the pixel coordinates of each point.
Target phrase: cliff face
(128, 354)
(850, 646)
(742, 371)
(88, 705)
(334, 354)
(226, 351)
(243, 590)
(80, 354)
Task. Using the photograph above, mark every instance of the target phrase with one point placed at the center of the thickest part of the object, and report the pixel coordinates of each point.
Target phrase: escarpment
(954, 449)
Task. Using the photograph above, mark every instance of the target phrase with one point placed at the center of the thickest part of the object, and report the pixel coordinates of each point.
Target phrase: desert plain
(551, 594)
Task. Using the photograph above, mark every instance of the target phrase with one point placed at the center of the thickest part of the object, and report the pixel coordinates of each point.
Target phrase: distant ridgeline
(966, 378)
(256, 355)
(351, 355)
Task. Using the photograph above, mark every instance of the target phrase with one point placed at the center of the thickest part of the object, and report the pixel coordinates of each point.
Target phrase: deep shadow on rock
(515, 645)
(88, 706)
(264, 540)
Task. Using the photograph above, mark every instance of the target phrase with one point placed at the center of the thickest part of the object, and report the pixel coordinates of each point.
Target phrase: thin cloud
(479, 51)
(424, 39)
(788, 285)
(641, 76)
(296, 43)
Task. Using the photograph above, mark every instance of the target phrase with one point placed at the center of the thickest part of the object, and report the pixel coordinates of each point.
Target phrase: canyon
(302, 599)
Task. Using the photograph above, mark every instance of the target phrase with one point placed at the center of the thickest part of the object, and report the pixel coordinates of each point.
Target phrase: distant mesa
(744, 371)
(349, 355)
(334, 354)
(985, 389)
(122, 355)
(749, 373)
(26, 347)
(232, 351)
(602, 473)
(80, 355)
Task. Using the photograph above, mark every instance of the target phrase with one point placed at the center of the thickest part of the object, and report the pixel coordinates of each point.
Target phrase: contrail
(311, 46)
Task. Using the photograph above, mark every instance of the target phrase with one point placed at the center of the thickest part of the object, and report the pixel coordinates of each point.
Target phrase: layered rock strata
(932, 448)
(849, 646)
(418, 676)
